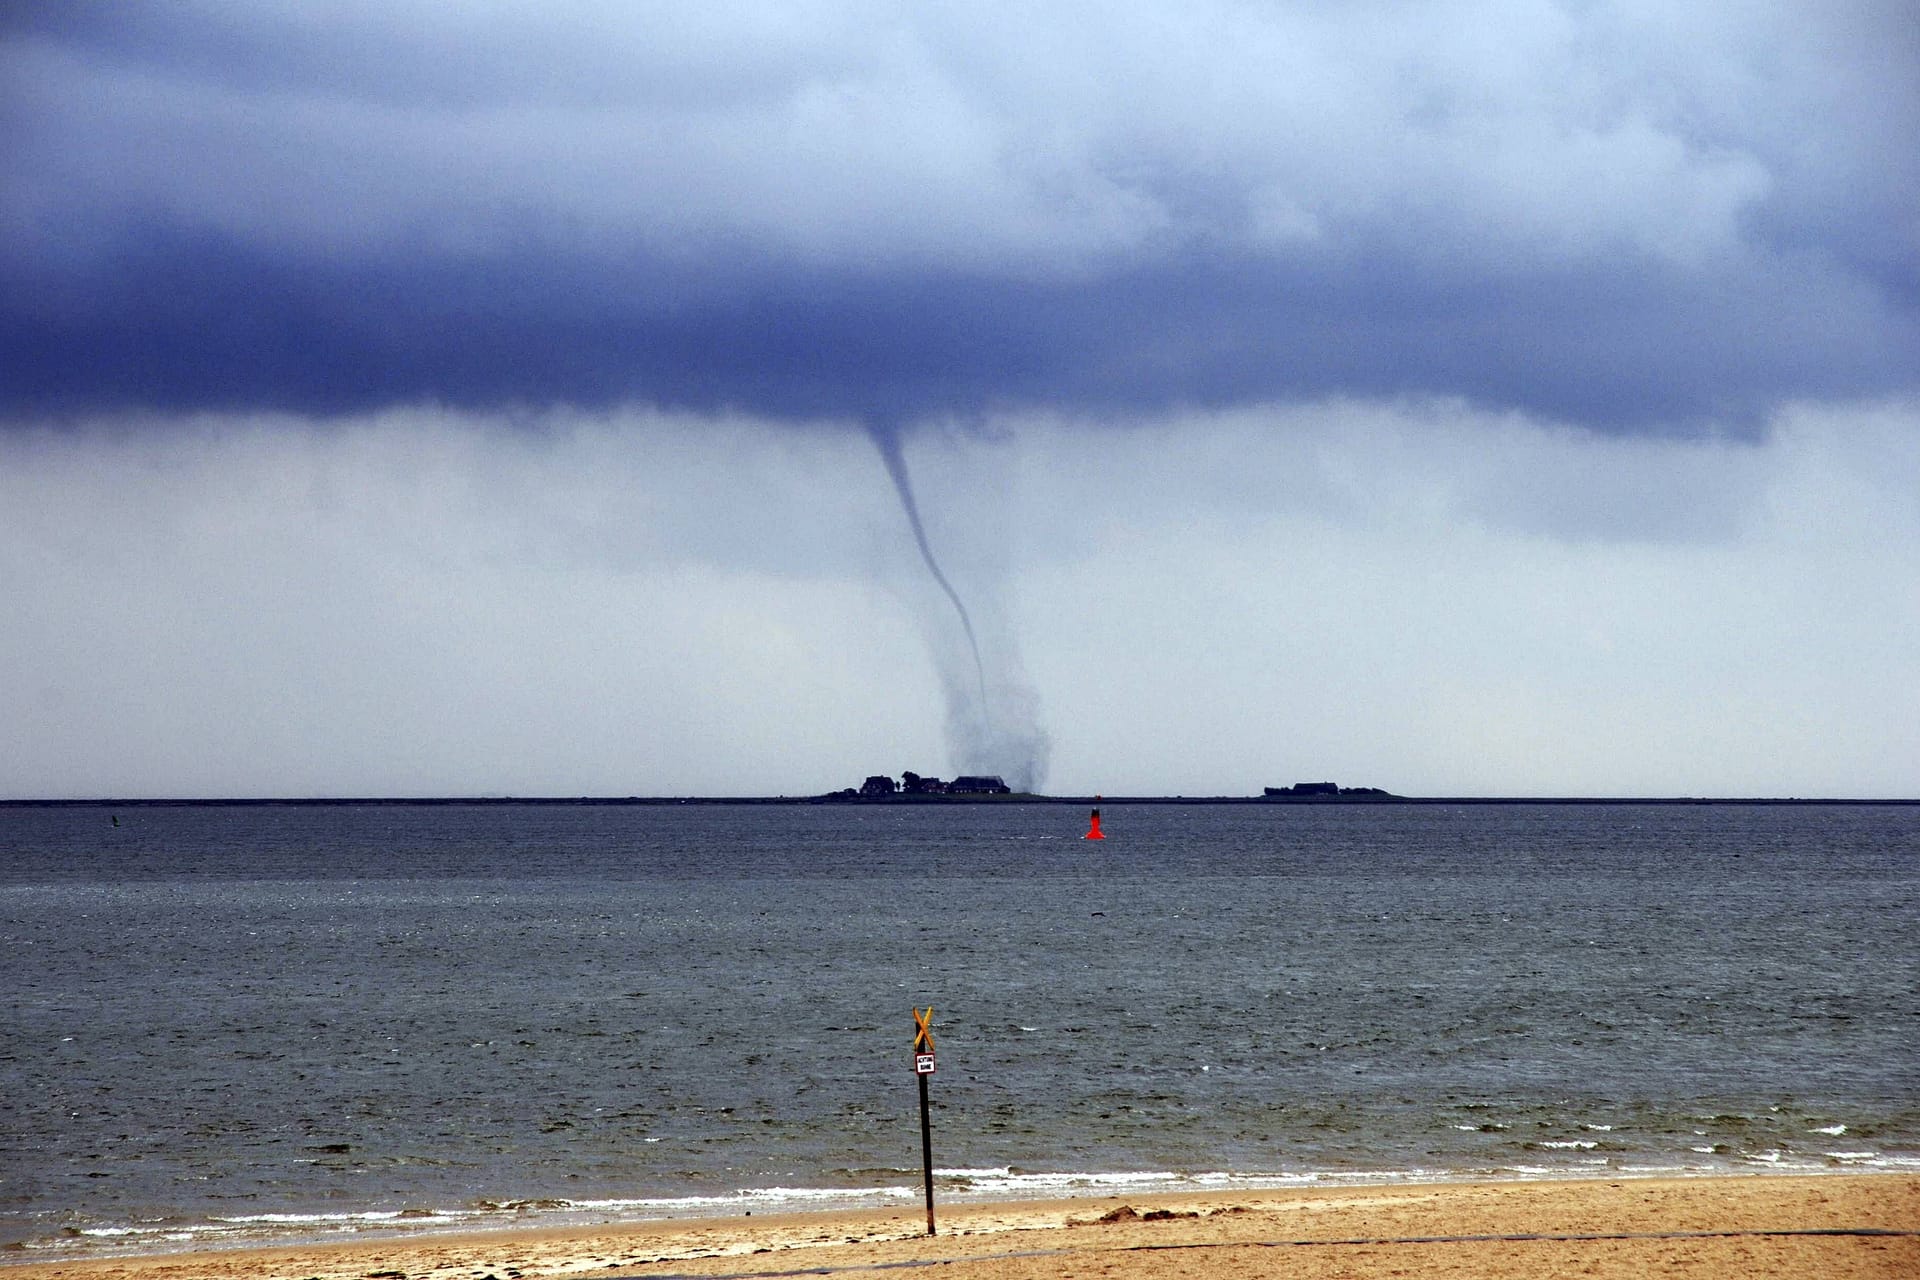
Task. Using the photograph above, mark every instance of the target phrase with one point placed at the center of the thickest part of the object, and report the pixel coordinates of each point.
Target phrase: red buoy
(1093, 832)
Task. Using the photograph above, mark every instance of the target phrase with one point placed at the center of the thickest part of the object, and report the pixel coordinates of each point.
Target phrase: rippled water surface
(237, 1021)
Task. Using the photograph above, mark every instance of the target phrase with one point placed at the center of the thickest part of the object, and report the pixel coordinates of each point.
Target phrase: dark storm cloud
(178, 321)
(844, 214)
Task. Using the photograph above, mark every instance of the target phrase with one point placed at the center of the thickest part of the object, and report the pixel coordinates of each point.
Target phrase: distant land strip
(1277, 802)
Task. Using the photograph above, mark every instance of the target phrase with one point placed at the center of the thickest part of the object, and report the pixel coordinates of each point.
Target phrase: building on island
(979, 785)
(880, 787)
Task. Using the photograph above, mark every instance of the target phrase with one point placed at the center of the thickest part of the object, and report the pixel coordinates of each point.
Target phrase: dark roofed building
(978, 785)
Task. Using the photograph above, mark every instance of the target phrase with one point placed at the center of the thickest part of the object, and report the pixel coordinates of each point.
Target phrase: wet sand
(1827, 1226)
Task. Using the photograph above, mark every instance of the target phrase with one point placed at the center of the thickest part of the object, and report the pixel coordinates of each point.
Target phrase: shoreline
(1831, 1224)
(956, 1191)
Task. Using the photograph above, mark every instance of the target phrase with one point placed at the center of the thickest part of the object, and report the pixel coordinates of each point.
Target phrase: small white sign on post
(923, 1064)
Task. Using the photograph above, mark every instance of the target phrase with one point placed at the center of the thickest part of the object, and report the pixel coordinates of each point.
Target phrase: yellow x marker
(923, 1030)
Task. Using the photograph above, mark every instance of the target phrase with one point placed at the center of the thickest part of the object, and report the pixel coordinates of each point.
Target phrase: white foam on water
(732, 1202)
(1007, 1184)
(1071, 1184)
(347, 1219)
(1832, 1130)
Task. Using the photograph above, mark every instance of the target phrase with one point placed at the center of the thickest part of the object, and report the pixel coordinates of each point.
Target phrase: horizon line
(830, 798)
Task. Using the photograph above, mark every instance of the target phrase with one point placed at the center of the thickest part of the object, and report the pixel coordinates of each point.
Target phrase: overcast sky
(1516, 398)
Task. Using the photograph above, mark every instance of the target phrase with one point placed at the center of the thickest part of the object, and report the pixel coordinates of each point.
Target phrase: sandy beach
(1828, 1226)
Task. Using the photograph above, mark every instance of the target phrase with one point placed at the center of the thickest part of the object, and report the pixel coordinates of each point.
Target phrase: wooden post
(923, 1067)
(926, 1151)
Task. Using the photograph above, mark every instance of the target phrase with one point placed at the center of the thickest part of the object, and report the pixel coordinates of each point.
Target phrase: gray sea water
(240, 1023)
